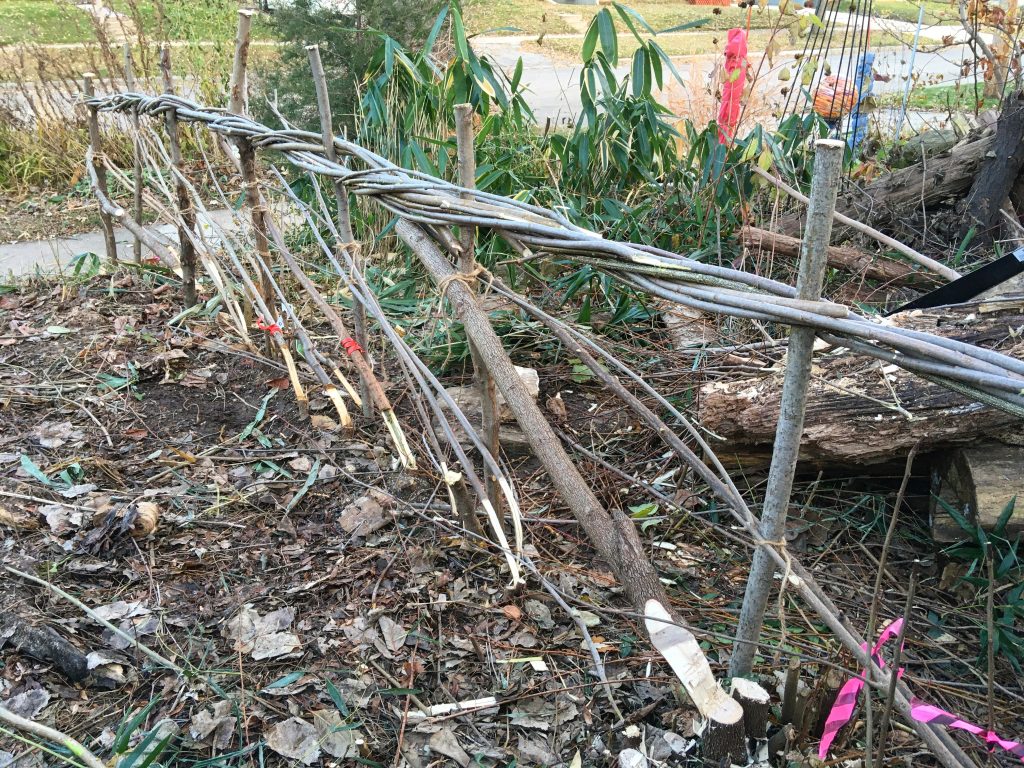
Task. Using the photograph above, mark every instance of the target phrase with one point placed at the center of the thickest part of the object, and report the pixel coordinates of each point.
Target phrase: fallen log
(861, 411)
(888, 198)
(997, 174)
(845, 257)
(43, 643)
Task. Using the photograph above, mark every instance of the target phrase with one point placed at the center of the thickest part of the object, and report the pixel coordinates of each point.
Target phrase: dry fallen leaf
(363, 516)
(17, 518)
(325, 423)
(296, 739)
(512, 612)
(393, 633)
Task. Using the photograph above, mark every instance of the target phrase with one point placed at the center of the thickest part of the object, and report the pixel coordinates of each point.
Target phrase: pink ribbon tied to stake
(846, 703)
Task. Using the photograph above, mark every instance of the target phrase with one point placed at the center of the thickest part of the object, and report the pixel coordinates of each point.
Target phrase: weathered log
(889, 197)
(979, 482)
(44, 644)
(860, 411)
(997, 174)
(843, 257)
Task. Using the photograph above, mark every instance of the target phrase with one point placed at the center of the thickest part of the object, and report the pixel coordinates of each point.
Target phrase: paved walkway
(53, 256)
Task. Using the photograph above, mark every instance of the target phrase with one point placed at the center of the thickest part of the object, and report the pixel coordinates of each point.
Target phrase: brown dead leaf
(325, 423)
(136, 434)
(281, 382)
(17, 518)
(512, 611)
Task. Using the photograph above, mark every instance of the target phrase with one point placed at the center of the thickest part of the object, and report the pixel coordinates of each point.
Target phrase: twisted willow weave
(982, 374)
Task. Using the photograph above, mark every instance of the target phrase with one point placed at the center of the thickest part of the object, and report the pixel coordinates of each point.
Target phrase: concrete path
(53, 256)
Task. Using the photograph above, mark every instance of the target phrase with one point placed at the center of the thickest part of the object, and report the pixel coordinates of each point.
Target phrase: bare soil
(306, 641)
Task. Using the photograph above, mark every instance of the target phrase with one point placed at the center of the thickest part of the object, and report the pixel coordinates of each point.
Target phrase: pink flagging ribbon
(732, 88)
(846, 701)
(926, 713)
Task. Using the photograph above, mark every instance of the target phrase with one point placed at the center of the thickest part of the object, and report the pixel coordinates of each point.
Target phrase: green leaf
(609, 39)
(33, 469)
(638, 71)
(59, 330)
(128, 727)
(626, 12)
(287, 680)
(435, 30)
(688, 25)
(517, 75)
(459, 32)
(336, 697)
(260, 413)
(1004, 517)
(589, 41)
(314, 472)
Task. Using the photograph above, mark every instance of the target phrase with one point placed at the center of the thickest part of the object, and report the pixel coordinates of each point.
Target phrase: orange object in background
(834, 98)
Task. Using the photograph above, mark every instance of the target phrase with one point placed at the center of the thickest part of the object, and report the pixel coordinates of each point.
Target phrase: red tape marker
(272, 328)
(351, 346)
(846, 701)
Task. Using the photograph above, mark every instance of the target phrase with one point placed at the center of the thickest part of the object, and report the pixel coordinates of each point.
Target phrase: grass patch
(960, 97)
(47, 22)
(689, 43)
(533, 17)
(906, 10)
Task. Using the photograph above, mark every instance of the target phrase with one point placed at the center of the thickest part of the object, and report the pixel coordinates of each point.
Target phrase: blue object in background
(865, 80)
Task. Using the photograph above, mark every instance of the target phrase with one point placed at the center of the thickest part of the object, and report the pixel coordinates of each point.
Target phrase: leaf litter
(330, 611)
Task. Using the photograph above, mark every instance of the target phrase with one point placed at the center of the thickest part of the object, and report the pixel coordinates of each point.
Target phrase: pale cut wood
(980, 481)
(861, 411)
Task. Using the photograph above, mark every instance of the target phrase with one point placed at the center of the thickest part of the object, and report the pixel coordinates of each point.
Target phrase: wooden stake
(239, 103)
(247, 154)
(129, 82)
(98, 165)
(614, 536)
(490, 421)
(186, 216)
(828, 165)
(323, 101)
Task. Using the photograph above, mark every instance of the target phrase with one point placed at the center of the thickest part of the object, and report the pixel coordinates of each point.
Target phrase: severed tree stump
(861, 411)
(979, 482)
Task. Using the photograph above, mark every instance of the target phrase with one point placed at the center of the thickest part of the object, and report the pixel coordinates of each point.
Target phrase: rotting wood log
(979, 482)
(997, 174)
(845, 257)
(861, 411)
(614, 534)
(45, 644)
(884, 200)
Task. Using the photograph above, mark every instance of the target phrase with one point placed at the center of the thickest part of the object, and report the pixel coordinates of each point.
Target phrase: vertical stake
(186, 216)
(323, 102)
(247, 159)
(490, 420)
(828, 165)
(98, 161)
(129, 83)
